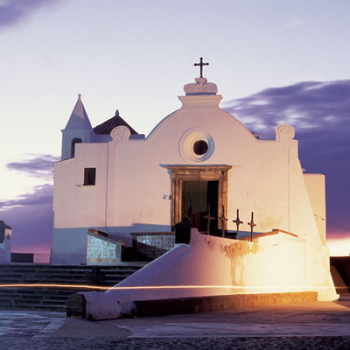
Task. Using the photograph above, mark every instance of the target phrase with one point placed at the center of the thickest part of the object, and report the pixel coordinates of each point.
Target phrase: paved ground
(318, 325)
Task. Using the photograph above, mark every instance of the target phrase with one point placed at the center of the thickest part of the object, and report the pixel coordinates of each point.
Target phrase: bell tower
(77, 130)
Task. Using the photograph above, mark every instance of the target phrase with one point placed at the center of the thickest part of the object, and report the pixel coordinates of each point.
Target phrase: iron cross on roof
(237, 222)
(201, 64)
(252, 225)
(223, 220)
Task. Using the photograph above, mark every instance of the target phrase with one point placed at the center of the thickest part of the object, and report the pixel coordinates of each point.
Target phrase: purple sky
(115, 52)
(30, 215)
(319, 112)
(14, 11)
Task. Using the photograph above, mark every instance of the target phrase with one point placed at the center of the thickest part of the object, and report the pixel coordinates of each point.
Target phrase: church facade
(113, 180)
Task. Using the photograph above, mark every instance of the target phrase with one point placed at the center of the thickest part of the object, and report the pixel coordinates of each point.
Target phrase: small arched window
(74, 141)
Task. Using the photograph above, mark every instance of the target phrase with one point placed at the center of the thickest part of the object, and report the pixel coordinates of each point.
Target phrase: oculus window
(89, 176)
(200, 147)
(196, 145)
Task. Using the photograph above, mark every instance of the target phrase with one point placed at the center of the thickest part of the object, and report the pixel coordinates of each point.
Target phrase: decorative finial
(116, 113)
(201, 64)
(79, 96)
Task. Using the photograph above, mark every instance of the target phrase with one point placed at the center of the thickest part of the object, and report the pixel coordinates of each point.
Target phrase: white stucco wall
(216, 266)
(133, 183)
(69, 246)
(76, 205)
(315, 184)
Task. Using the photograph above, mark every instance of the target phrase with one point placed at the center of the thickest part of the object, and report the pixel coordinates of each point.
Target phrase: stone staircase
(130, 254)
(55, 297)
(338, 281)
(340, 271)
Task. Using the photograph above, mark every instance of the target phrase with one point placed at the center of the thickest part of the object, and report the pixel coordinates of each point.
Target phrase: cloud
(31, 215)
(320, 114)
(38, 167)
(14, 11)
(31, 219)
(42, 195)
(306, 105)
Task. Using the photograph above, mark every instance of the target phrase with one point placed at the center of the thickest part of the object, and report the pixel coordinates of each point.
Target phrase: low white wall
(213, 266)
(69, 246)
(102, 251)
(316, 188)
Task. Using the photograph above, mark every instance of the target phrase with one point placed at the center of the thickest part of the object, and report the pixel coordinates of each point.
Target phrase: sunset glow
(339, 246)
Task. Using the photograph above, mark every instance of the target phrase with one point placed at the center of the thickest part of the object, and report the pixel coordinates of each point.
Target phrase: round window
(196, 145)
(200, 147)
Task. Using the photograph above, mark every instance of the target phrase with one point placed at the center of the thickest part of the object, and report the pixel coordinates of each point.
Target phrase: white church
(112, 183)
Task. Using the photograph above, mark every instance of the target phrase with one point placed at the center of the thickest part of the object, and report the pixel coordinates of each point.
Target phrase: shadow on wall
(118, 233)
(123, 233)
(70, 245)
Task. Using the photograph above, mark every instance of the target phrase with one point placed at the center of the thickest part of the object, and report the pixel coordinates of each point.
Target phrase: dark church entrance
(201, 195)
(202, 186)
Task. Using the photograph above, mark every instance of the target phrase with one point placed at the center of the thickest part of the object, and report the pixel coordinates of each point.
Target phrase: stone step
(55, 298)
(56, 294)
(120, 271)
(44, 279)
(47, 275)
(53, 268)
(35, 305)
(41, 291)
(46, 267)
(110, 283)
(338, 281)
(19, 306)
(33, 301)
(130, 254)
(107, 282)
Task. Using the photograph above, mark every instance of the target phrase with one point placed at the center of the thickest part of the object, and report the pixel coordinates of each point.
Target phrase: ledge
(166, 307)
(169, 233)
(76, 305)
(273, 232)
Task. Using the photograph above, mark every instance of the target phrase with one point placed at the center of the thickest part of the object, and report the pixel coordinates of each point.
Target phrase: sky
(274, 61)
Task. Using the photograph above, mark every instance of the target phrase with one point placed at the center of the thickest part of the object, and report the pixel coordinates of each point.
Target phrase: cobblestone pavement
(318, 325)
(274, 343)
